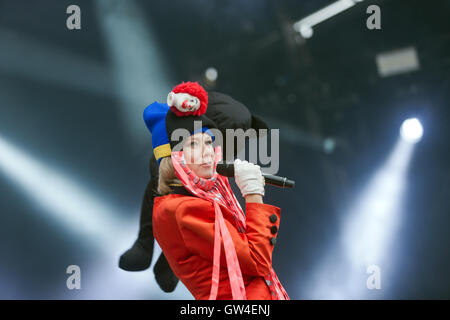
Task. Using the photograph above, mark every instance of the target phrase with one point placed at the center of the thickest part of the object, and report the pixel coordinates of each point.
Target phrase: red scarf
(217, 189)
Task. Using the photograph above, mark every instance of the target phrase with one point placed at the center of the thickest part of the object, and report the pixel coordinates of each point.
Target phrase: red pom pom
(194, 89)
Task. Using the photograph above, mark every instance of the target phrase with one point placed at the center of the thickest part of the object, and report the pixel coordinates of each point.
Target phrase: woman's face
(199, 154)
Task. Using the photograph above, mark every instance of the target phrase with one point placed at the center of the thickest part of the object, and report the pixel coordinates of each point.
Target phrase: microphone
(227, 170)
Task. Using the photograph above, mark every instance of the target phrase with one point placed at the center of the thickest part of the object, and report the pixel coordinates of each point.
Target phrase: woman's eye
(209, 142)
(193, 143)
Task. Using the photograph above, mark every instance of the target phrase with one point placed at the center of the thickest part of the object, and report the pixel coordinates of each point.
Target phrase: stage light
(211, 74)
(306, 31)
(304, 26)
(397, 62)
(89, 220)
(75, 207)
(366, 236)
(142, 72)
(329, 145)
(411, 130)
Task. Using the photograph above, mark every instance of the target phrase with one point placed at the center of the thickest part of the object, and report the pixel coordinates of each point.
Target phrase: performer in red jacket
(212, 246)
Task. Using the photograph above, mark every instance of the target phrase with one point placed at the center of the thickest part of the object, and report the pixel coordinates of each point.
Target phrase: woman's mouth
(206, 165)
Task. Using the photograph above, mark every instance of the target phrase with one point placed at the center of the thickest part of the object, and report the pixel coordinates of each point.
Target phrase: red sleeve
(254, 248)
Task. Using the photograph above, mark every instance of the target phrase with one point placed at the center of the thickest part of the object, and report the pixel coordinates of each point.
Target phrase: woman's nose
(207, 150)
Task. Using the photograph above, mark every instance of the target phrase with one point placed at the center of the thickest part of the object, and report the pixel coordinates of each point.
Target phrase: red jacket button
(273, 241)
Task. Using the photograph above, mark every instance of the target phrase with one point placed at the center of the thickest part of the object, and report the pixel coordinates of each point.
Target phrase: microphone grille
(225, 169)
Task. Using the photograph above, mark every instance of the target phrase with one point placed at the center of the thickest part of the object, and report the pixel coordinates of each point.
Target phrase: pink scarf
(217, 189)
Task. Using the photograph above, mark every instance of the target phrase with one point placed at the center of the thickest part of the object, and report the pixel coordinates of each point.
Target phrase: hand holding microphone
(248, 178)
(228, 170)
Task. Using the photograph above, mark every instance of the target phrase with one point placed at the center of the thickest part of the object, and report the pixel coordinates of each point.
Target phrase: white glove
(248, 177)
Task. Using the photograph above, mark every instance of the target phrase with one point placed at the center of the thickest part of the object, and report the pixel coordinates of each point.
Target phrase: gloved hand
(248, 178)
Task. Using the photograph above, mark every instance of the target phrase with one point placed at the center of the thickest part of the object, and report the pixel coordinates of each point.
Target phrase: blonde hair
(166, 176)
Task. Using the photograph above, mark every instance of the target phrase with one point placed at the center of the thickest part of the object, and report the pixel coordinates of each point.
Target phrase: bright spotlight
(304, 26)
(90, 220)
(328, 145)
(306, 31)
(75, 207)
(211, 74)
(411, 130)
(141, 72)
(367, 235)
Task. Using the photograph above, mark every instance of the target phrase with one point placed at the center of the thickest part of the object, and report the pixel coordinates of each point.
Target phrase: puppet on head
(187, 98)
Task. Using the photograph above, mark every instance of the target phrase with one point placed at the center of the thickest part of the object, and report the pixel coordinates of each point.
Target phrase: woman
(198, 216)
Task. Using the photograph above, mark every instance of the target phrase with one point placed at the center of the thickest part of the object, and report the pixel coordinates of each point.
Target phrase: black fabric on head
(174, 122)
(229, 113)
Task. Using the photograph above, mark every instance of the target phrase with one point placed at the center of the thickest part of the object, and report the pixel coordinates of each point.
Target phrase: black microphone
(227, 170)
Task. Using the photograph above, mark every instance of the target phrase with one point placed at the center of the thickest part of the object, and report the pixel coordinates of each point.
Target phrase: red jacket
(183, 226)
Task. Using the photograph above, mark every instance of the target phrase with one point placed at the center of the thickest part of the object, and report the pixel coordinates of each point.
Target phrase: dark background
(70, 101)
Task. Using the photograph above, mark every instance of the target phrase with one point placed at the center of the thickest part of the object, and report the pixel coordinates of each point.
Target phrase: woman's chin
(206, 174)
(202, 171)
